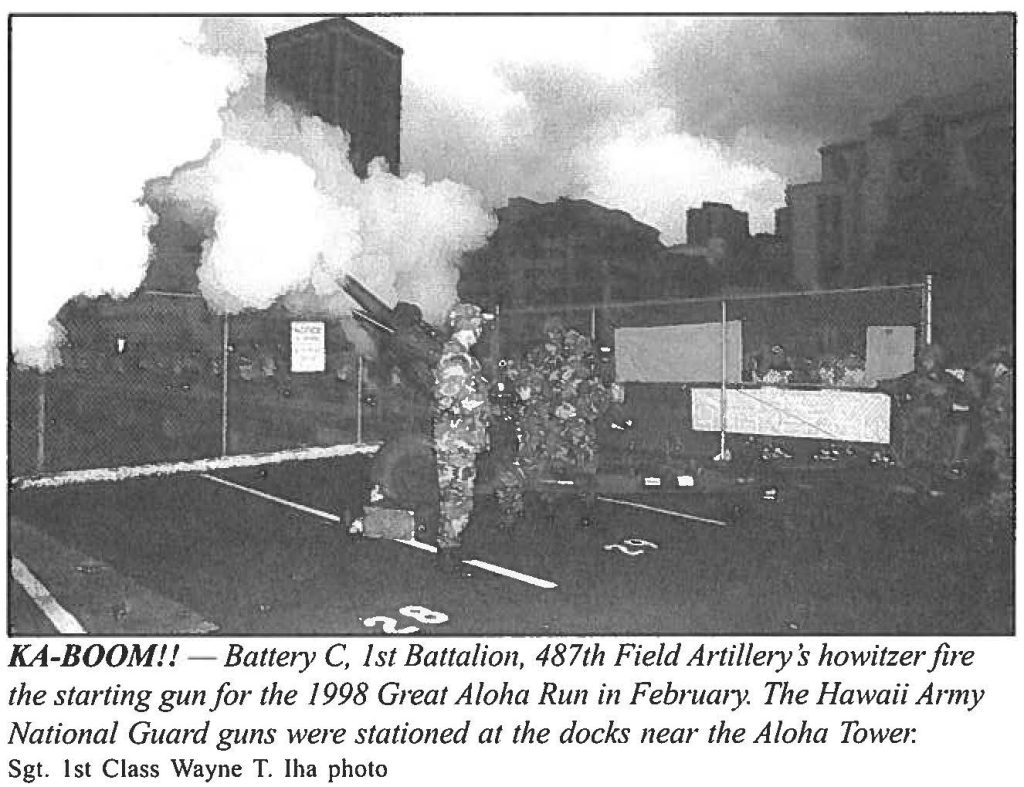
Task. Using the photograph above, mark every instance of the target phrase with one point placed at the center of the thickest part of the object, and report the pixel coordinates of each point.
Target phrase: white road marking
(505, 572)
(63, 621)
(666, 511)
(412, 542)
(274, 498)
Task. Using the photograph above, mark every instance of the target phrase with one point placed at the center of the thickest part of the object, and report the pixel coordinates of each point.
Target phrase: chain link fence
(802, 331)
(158, 377)
(807, 325)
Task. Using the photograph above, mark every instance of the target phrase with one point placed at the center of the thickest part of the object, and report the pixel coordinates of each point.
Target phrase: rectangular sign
(826, 414)
(678, 353)
(309, 348)
(890, 351)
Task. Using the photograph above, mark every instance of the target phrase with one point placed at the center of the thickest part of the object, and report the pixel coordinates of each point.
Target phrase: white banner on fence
(678, 353)
(827, 414)
(309, 349)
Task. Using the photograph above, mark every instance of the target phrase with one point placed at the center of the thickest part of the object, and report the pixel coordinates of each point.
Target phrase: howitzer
(413, 343)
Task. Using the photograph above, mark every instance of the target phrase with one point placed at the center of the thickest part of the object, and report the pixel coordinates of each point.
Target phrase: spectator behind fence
(780, 368)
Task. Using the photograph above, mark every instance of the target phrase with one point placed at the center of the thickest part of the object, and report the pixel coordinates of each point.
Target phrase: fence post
(224, 389)
(928, 284)
(359, 401)
(496, 341)
(41, 424)
(722, 406)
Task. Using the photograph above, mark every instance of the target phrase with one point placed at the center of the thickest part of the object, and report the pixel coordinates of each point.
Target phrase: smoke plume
(291, 218)
(284, 216)
(99, 106)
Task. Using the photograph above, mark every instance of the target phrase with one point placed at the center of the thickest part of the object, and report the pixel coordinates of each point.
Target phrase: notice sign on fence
(309, 350)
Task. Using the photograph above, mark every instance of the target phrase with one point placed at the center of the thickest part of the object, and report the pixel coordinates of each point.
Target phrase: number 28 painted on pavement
(421, 614)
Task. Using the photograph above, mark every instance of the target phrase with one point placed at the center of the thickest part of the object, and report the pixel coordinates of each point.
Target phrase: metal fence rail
(812, 323)
(159, 378)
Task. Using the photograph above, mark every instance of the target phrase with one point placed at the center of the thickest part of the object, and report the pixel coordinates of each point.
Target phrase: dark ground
(848, 552)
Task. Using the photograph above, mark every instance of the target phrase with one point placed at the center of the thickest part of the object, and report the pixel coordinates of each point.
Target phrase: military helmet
(465, 317)
(554, 325)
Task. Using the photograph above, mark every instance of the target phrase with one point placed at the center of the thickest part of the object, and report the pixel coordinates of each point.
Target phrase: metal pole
(359, 401)
(41, 424)
(593, 324)
(224, 389)
(496, 341)
(928, 283)
(722, 406)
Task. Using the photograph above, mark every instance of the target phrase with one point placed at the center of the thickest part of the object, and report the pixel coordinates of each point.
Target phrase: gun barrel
(366, 319)
(373, 305)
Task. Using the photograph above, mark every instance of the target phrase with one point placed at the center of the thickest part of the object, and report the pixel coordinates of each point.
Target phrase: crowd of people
(776, 366)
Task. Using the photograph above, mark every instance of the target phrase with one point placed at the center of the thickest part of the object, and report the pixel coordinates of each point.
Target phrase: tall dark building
(347, 76)
(718, 220)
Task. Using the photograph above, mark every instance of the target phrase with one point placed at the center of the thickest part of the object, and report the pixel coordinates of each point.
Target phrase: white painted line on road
(505, 572)
(666, 511)
(274, 498)
(412, 542)
(63, 621)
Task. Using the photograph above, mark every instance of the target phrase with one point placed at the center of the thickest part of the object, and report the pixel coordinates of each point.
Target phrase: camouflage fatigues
(510, 485)
(461, 416)
(997, 416)
(922, 427)
(560, 399)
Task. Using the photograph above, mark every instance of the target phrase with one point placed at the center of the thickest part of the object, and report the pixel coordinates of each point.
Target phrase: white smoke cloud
(285, 216)
(655, 173)
(292, 219)
(99, 106)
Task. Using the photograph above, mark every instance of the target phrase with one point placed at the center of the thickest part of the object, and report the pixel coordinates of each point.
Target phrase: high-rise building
(347, 76)
(948, 145)
(717, 220)
(563, 252)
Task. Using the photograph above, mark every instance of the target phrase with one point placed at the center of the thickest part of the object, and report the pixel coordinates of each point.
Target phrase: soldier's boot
(449, 562)
(589, 516)
(427, 516)
(548, 504)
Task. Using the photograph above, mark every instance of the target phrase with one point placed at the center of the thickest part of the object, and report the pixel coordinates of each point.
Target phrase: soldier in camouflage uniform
(923, 431)
(561, 396)
(997, 418)
(461, 417)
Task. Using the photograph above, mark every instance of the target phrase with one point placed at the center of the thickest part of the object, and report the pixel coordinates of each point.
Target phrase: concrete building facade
(943, 145)
(565, 252)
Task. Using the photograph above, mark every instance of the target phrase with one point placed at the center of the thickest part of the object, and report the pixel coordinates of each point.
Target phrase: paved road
(846, 554)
